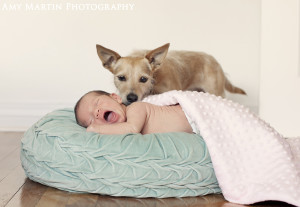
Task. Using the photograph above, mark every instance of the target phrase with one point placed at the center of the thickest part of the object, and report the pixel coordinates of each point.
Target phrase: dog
(156, 71)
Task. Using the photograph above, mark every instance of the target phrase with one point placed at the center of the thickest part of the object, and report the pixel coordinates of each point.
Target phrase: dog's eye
(143, 79)
(122, 78)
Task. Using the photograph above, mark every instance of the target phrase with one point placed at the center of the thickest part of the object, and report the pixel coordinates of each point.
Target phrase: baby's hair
(99, 92)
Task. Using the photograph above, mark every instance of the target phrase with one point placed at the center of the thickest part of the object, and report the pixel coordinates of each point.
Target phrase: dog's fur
(157, 71)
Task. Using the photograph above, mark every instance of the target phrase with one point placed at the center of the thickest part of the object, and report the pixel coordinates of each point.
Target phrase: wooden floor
(18, 191)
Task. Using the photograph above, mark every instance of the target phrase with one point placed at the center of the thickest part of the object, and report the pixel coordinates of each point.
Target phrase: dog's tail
(231, 88)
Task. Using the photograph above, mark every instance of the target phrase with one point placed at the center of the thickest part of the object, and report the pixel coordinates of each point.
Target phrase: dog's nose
(132, 97)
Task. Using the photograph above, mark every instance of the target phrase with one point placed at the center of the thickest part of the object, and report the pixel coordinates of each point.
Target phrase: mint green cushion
(57, 152)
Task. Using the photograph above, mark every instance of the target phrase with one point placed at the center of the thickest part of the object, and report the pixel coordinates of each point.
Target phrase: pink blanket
(252, 161)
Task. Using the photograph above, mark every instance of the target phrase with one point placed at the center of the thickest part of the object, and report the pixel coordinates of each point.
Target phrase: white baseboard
(20, 116)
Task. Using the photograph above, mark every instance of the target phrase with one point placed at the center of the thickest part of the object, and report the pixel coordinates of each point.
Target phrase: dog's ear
(107, 56)
(157, 56)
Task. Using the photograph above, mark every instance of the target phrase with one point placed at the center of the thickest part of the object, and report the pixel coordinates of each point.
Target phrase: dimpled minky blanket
(252, 161)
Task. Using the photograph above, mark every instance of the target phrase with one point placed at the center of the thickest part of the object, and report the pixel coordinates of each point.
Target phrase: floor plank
(209, 200)
(9, 163)
(11, 184)
(53, 197)
(9, 141)
(28, 196)
(79, 200)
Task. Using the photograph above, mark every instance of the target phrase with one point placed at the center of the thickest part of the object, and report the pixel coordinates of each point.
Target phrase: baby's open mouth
(107, 115)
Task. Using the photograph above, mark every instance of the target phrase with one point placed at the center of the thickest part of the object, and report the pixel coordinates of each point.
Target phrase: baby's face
(100, 110)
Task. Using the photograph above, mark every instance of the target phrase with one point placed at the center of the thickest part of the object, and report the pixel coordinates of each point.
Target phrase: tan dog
(157, 71)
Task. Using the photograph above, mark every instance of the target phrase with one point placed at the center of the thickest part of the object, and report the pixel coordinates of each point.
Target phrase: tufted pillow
(57, 152)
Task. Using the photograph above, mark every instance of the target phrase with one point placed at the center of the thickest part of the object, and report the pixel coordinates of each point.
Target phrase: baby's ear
(116, 97)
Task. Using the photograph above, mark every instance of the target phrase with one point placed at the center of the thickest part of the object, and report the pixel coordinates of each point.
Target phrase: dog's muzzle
(132, 98)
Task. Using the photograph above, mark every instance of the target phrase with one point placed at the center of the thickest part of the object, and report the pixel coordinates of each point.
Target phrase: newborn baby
(104, 113)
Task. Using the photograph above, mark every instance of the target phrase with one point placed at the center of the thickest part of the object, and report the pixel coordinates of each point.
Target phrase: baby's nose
(97, 114)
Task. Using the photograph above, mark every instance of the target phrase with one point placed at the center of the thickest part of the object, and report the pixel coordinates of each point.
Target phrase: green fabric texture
(57, 152)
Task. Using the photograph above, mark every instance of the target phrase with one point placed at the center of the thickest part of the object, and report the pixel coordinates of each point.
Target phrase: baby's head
(99, 107)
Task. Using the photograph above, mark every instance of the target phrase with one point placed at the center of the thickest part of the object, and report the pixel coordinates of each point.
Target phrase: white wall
(48, 58)
(280, 76)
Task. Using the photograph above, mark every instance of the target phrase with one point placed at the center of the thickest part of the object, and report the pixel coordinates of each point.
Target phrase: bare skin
(107, 115)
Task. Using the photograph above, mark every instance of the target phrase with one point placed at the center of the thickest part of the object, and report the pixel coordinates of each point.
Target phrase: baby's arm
(136, 115)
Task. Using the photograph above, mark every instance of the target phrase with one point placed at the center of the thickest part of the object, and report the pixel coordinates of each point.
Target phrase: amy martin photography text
(67, 7)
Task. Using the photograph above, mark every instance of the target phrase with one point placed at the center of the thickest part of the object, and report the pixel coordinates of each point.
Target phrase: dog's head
(133, 75)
